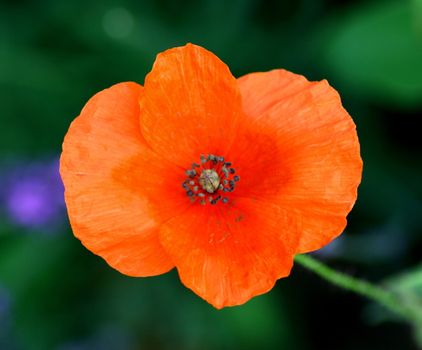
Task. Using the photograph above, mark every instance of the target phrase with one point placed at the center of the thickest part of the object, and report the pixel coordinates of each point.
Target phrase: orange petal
(316, 166)
(107, 203)
(229, 253)
(191, 106)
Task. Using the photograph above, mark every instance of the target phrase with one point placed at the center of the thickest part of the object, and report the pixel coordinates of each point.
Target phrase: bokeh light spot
(118, 22)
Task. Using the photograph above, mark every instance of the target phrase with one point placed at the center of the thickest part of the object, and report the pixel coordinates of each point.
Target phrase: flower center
(210, 180)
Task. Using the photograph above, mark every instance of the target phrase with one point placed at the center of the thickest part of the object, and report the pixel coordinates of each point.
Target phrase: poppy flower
(225, 179)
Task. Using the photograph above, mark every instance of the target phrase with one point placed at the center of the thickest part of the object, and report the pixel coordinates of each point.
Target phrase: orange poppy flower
(225, 179)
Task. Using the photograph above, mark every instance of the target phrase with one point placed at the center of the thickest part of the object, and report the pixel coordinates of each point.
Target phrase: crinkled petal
(192, 105)
(229, 253)
(313, 167)
(105, 166)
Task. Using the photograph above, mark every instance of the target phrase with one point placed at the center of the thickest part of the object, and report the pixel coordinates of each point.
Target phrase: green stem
(378, 294)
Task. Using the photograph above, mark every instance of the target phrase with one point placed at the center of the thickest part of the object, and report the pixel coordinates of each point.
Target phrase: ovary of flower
(209, 180)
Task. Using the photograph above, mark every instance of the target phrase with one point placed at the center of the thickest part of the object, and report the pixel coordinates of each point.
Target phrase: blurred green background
(54, 55)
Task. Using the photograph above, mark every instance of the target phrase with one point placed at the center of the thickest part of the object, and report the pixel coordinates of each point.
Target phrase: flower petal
(229, 253)
(191, 106)
(316, 165)
(107, 202)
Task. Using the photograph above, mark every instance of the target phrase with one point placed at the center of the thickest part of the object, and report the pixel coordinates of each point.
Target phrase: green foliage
(408, 286)
(376, 50)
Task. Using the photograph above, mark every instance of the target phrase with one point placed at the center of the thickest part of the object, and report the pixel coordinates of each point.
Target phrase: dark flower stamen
(212, 177)
(191, 172)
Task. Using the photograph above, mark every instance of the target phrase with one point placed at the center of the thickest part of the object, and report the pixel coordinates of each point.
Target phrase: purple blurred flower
(33, 194)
